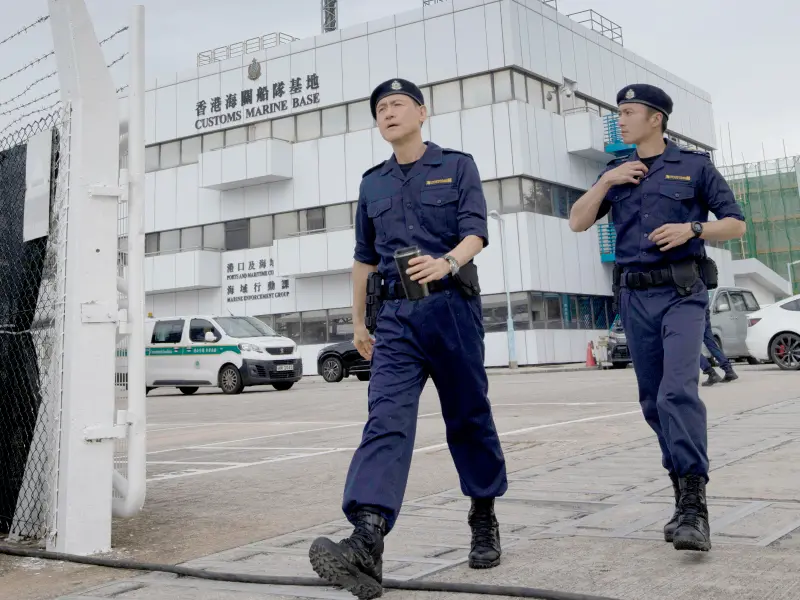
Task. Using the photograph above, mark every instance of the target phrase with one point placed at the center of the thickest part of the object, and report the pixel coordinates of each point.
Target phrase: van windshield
(245, 327)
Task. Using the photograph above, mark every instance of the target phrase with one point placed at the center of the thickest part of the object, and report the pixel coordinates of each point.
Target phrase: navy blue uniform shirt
(435, 206)
(681, 186)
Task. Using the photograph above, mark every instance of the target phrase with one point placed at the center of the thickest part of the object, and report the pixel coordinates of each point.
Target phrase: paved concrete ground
(243, 484)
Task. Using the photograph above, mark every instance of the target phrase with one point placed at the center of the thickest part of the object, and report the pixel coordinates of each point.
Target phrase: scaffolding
(768, 193)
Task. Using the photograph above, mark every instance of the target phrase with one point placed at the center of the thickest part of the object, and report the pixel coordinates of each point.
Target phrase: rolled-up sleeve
(365, 233)
(471, 202)
(718, 194)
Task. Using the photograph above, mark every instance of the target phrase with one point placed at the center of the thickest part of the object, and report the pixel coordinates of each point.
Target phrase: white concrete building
(254, 164)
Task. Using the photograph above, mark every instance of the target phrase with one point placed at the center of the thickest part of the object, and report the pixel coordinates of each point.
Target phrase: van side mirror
(722, 308)
(210, 337)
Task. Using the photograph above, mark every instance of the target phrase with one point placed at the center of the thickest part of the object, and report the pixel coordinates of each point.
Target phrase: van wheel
(188, 390)
(283, 386)
(363, 376)
(230, 380)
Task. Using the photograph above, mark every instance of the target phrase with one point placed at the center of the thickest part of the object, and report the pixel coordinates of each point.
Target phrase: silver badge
(254, 70)
(630, 94)
(396, 85)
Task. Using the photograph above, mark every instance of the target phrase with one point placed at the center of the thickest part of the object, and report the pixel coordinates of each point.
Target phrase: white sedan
(773, 333)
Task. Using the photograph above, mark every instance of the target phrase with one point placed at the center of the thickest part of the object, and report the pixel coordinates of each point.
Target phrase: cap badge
(396, 85)
(630, 94)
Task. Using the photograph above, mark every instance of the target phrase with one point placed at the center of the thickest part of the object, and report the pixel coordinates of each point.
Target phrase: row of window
(462, 94)
(515, 194)
(530, 310)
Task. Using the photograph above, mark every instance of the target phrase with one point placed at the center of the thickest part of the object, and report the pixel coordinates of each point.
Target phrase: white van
(226, 352)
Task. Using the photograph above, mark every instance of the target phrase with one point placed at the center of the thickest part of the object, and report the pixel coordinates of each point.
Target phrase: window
(314, 219)
(245, 327)
(309, 126)
(561, 198)
(551, 98)
(519, 87)
(192, 238)
(286, 224)
(553, 313)
(237, 235)
(737, 300)
(340, 325)
(190, 150)
(447, 97)
(214, 236)
(569, 304)
(535, 94)
(502, 86)
(794, 305)
(750, 301)
(601, 313)
(722, 303)
(477, 91)
(495, 313)
(519, 311)
(288, 325)
(491, 191)
(585, 312)
(540, 200)
(261, 231)
(338, 216)
(537, 309)
(234, 137)
(168, 332)
(169, 241)
(151, 161)
(315, 326)
(213, 141)
(511, 195)
(151, 243)
(334, 120)
(198, 329)
(283, 129)
(359, 116)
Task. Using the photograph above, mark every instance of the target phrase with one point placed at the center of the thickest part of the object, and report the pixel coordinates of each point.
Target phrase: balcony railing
(250, 46)
(608, 241)
(613, 137)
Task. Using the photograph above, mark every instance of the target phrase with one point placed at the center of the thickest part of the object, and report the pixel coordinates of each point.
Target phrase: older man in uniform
(431, 197)
(660, 197)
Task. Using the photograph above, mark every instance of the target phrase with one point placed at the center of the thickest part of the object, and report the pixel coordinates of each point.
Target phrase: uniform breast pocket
(379, 211)
(676, 200)
(440, 210)
(622, 206)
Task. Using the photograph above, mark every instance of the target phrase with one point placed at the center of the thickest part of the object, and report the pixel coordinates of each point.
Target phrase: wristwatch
(454, 266)
(697, 228)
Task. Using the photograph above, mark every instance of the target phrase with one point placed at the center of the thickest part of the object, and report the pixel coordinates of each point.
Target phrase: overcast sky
(744, 53)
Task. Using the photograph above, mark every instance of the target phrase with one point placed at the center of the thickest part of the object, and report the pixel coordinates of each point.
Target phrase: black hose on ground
(389, 584)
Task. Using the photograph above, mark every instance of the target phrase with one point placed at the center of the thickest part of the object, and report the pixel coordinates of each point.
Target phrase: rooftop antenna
(330, 15)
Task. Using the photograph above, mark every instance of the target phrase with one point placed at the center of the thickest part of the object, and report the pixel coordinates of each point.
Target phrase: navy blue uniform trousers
(665, 334)
(713, 348)
(440, 336)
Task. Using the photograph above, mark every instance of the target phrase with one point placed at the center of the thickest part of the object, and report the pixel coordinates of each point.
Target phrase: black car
(341, 360)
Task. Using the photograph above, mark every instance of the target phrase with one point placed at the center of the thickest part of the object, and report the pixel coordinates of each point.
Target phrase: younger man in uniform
(430, 197)
(660, 197)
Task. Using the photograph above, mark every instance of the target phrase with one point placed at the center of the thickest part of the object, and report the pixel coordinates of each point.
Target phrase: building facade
(254, 165)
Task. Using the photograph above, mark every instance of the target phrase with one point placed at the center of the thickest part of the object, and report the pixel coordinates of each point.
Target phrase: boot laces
(691, 503)
(483, 528)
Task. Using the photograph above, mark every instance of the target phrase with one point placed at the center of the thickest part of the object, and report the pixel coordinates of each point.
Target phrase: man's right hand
(363, 341)
(629, 172)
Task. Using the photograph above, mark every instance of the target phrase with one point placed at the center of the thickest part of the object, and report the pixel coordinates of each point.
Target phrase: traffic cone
(590, 362)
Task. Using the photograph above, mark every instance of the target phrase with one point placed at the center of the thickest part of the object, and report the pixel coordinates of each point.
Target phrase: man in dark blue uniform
(660, 197)
(430, 197)
(705, 366)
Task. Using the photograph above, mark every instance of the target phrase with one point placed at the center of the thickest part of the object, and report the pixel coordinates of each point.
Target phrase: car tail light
(751, 322)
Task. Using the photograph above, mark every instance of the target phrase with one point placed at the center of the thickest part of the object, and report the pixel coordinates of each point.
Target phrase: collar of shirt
(432, 156)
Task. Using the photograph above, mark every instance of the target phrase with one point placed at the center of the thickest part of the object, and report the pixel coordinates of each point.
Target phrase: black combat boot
(355, 563)
(485, 551)
(713, 377)
(730, 374)
(693, 532)
(672, 524)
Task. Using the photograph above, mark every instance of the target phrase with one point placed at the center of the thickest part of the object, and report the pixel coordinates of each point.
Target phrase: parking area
(257, 469)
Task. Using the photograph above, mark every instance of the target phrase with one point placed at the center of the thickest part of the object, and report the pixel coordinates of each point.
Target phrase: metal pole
(134, 492)
(512, 346)
(791, 286)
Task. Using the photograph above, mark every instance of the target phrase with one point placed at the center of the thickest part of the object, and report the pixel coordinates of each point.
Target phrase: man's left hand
(424, 269)
(672, 235)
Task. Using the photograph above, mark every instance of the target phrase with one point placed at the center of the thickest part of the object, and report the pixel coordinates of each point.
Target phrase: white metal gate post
(83, 519)
(133, 489)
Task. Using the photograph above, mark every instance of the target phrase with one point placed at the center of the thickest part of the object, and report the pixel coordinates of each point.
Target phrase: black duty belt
(657, 277)
(393, 290)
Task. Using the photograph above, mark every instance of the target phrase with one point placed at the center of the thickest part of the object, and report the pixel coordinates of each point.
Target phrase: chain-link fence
(33, 218)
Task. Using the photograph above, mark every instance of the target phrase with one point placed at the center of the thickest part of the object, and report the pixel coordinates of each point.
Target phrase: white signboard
(251, 284)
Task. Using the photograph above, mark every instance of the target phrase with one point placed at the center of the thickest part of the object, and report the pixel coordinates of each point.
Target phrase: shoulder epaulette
(698, 152)
(371, 169)
(454, 151)
(617, 160)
